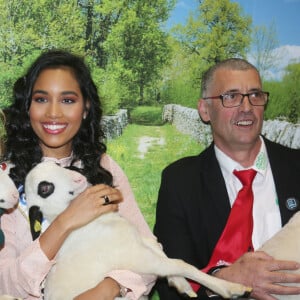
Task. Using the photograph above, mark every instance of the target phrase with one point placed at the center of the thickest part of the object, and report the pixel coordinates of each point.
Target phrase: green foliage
(291, 82)
(146, 115)
(215, 31)
(139, 39)
(284, 96)
(123, 39)
(165, 145)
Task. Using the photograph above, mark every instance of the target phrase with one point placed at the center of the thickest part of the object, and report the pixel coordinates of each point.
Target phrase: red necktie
(236, 238)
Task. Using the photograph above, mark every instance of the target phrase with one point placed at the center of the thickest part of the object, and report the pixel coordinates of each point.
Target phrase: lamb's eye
(45, 189)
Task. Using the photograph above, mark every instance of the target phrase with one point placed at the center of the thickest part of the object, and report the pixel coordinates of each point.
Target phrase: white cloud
(286, 54)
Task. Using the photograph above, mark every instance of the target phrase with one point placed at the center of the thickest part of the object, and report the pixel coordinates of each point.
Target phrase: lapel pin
(292, 203)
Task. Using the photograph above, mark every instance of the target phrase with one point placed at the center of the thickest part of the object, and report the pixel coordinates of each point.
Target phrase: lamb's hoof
(182, 286)
(246, 294)
(190, 294)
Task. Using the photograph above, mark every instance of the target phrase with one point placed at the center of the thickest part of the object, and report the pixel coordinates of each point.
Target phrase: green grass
(144, 173)
(147, 115)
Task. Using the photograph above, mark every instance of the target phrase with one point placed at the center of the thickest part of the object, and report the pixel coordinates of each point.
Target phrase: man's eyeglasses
(257, 98)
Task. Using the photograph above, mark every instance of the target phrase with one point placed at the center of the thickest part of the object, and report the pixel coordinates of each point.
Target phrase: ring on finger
(106, 200)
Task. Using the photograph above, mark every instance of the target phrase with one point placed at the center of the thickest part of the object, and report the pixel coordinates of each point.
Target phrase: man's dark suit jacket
(193, 205)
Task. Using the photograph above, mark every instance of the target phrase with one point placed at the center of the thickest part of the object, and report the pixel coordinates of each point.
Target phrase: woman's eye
(39, 99)
(68, 100)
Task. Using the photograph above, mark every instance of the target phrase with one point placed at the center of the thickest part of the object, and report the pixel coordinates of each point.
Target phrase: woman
(55, 116)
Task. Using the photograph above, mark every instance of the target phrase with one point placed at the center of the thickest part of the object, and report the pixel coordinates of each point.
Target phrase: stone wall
(113, 126)
(187, 121)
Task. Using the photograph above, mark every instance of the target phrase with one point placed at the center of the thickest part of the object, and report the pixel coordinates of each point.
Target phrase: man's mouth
(244, 123)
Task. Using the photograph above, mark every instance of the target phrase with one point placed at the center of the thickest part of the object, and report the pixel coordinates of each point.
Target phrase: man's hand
(264, 274)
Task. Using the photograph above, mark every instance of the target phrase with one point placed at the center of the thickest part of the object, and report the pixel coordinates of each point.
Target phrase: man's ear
(203, 111)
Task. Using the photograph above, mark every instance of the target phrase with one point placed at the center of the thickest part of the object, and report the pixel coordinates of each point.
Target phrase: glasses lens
(231, 99)
(258, 98)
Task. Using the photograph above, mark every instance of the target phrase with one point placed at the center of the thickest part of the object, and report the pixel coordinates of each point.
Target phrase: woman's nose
(54, 110)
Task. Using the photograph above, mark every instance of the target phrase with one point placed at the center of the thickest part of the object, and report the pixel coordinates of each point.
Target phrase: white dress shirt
(266, 213)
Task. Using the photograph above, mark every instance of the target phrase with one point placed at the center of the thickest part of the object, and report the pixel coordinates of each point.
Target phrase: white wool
(285, 245)
(108, 243)
(7, 297)
(8, 192)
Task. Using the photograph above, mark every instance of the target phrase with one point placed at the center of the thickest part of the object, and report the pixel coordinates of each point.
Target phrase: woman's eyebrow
(69, 92)
(39, 92)
(63, 93)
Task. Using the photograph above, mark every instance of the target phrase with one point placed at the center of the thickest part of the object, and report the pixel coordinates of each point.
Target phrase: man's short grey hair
(238, 64)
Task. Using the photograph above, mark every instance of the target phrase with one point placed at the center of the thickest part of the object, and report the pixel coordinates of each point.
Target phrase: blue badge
(292, 204)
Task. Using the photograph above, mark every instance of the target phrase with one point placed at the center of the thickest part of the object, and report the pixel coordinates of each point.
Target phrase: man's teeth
(244, 123)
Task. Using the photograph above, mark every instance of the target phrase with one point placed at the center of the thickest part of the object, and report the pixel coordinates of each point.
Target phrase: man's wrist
(214, 270)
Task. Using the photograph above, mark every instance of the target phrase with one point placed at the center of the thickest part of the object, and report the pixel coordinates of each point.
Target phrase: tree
(284, 95)
(215, 31)
(138, 42)
(122, 40)
(264, 42)
(291, 82)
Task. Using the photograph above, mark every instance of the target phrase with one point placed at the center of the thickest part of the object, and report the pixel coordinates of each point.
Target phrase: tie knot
(245, 176)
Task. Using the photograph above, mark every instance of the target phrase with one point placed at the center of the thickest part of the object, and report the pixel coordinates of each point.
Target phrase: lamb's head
(51, 188)
(9, 194)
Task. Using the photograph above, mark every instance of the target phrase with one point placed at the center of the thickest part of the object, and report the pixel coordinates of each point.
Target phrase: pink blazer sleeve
(23, 265)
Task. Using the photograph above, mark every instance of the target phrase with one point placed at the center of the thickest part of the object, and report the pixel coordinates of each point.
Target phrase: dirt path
(147, 141)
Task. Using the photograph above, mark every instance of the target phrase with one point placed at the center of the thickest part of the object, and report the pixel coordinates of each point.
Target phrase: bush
(147, 115)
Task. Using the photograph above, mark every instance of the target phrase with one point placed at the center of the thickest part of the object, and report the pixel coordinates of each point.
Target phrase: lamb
(7, 297)
(109, 242)
(285, 245)
(9, 195)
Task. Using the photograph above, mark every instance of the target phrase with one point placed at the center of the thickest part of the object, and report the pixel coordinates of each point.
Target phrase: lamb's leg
(162, 266)
(180, 283)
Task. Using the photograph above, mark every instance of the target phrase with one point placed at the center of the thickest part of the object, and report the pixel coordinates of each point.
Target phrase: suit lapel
(219, 207)
(284, 178)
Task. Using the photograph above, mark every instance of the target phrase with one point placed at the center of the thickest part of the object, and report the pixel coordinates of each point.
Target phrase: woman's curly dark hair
(22, 144)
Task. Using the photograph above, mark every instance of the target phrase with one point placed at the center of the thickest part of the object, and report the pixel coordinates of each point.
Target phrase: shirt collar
(228, 165)
(64, 162)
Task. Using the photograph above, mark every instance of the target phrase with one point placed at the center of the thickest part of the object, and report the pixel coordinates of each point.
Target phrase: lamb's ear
(35, 220)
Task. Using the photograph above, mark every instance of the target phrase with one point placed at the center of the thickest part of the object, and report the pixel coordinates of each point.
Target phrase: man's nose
(246, 104)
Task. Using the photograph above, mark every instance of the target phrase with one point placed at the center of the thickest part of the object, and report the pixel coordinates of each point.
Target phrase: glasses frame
(221, 97)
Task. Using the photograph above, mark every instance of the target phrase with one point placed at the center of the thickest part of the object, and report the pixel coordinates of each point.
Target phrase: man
(197, 193)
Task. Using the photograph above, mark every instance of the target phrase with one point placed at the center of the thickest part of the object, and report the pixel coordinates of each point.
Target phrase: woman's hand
(264, 274)
(107, 289)
(90, 204)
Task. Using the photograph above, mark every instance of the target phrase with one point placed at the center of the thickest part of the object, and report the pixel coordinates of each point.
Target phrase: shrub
(147, 115)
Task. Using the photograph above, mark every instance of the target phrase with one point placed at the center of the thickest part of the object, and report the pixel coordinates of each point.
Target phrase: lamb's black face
(45, 189)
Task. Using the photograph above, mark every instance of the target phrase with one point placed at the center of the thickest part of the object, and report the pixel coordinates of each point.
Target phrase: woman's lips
(54, 128)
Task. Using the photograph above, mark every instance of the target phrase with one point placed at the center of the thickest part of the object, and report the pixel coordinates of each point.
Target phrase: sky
(283, 13)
